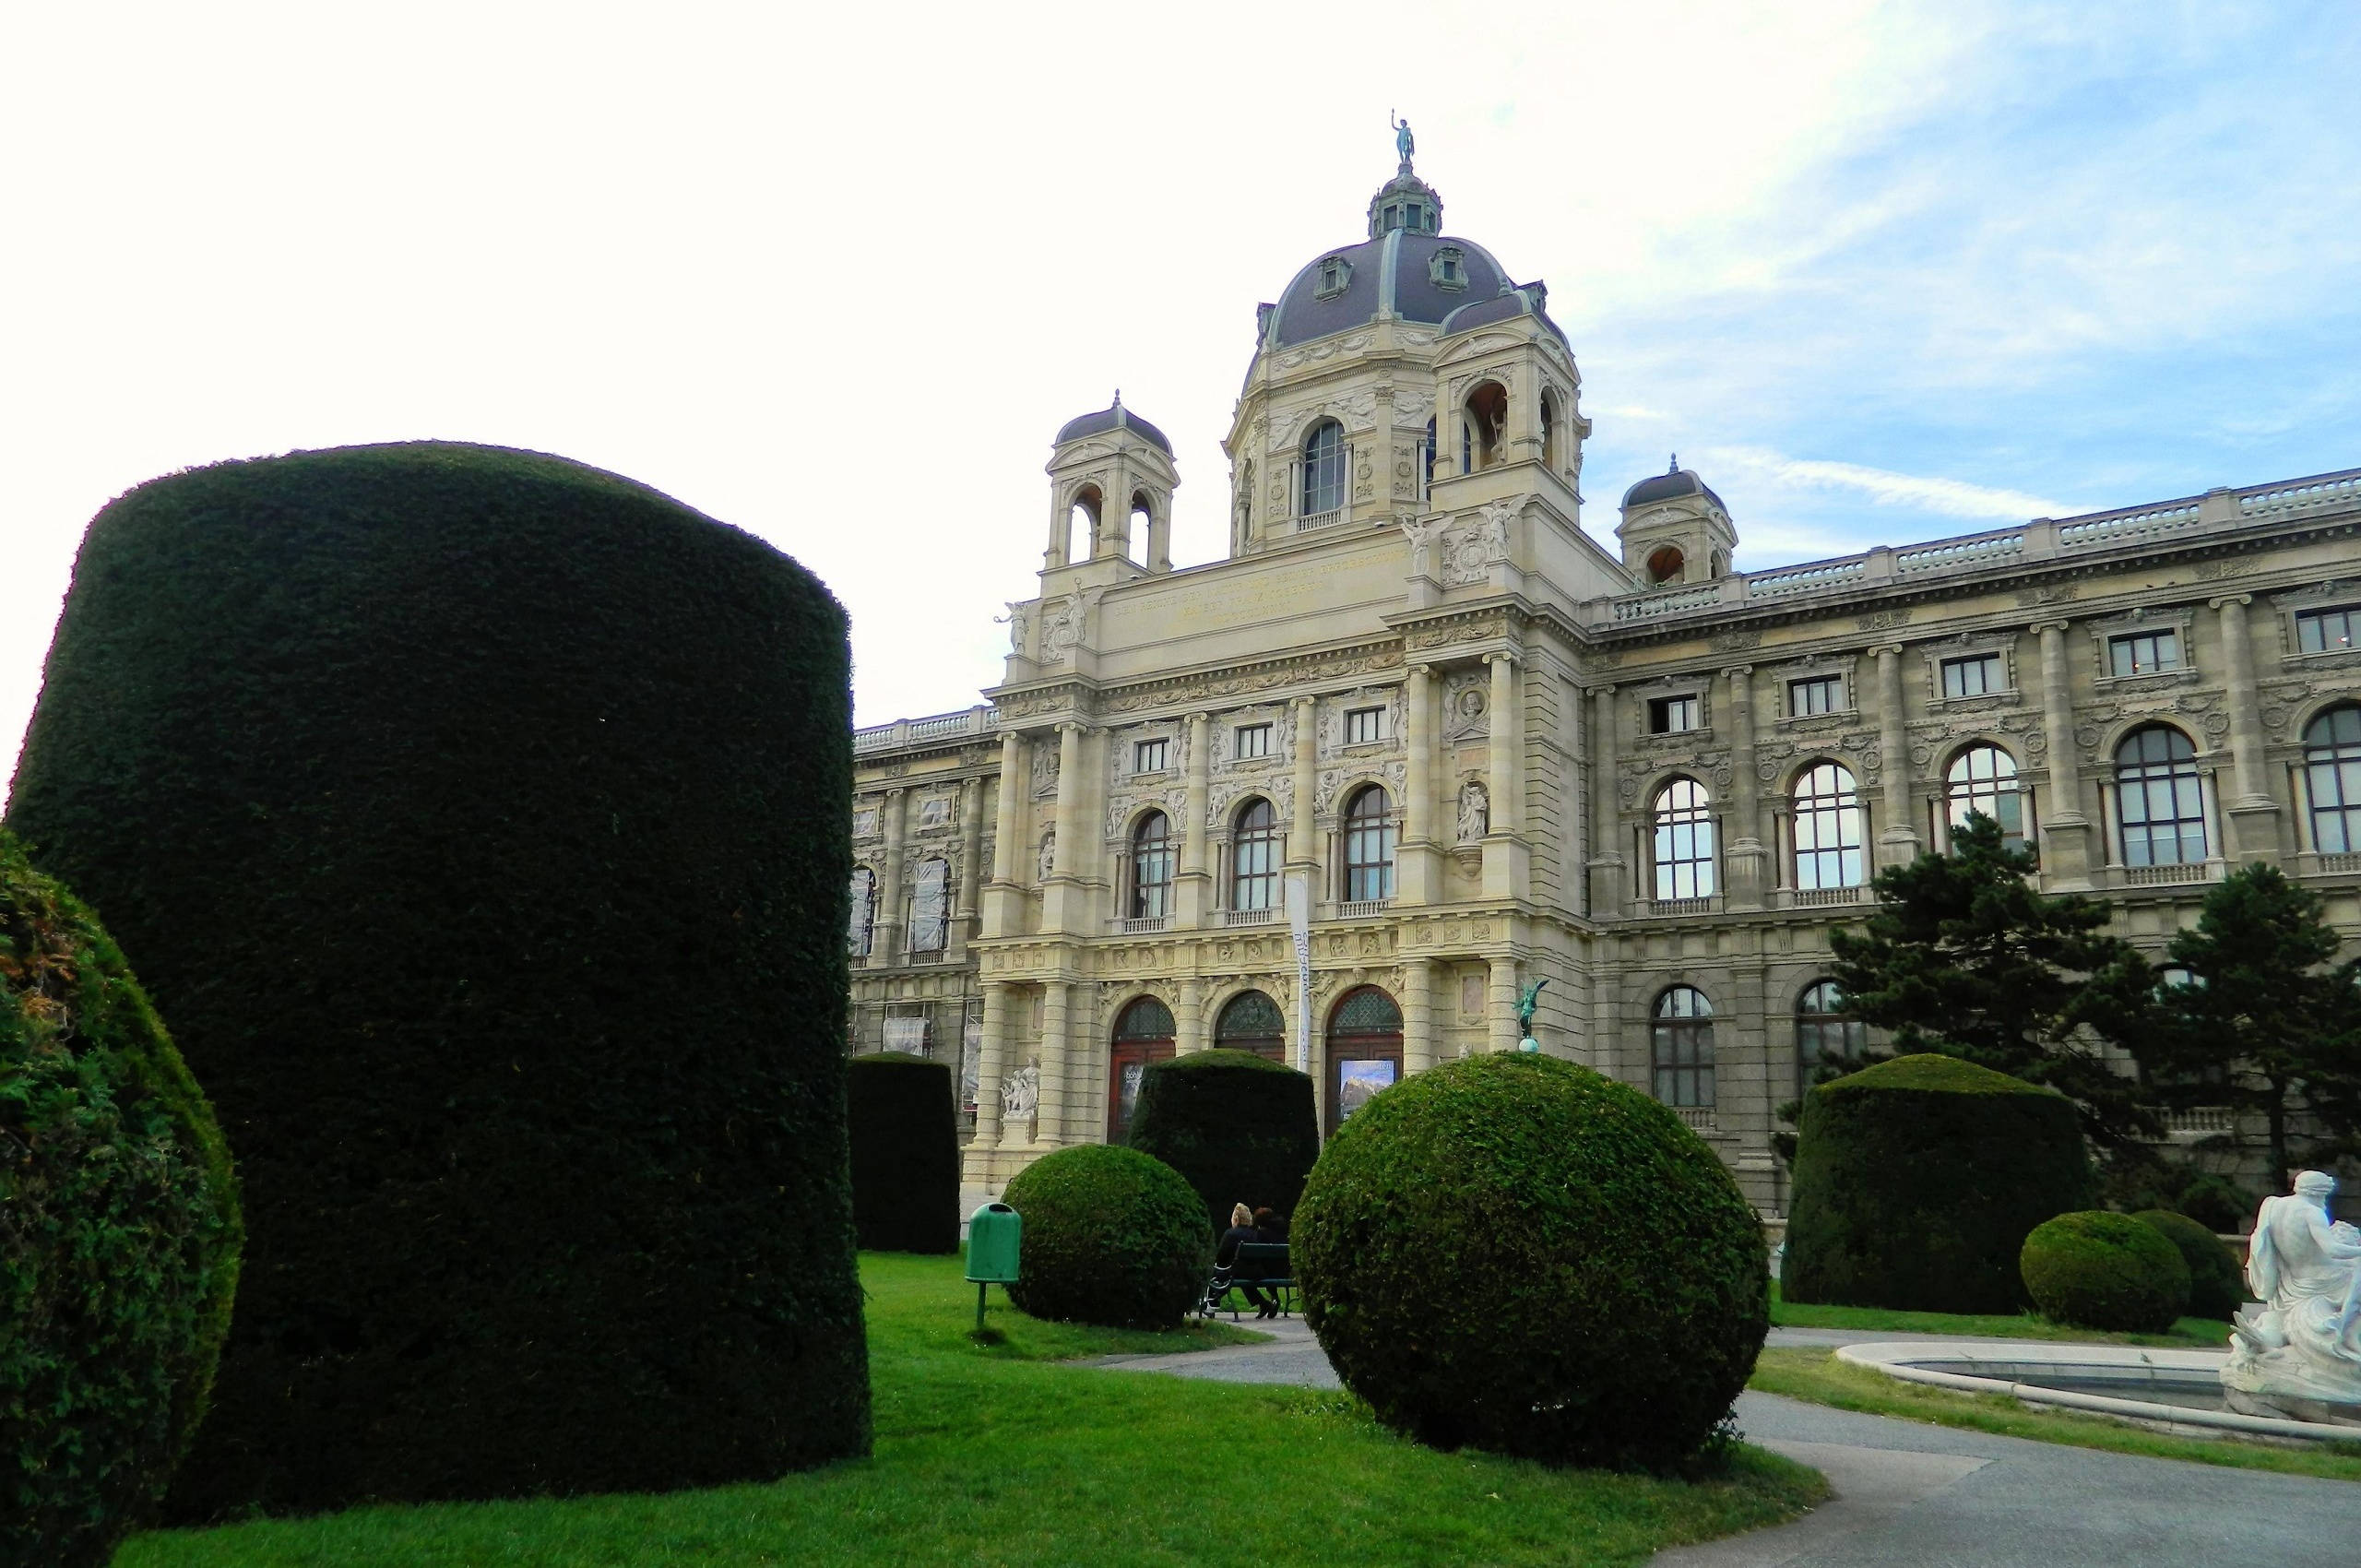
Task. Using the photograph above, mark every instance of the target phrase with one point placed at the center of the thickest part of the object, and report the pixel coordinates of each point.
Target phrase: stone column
(971, 860)
(1506, 854)
(1189, 1018)
(889, 934)
(1607, 888)
(1049, 1128)
(1303, 830)
(1748, 860)
(1419, 881)
(1192, 897)
(1417, 1014)
(2253, 816)
(2065, 828)
(1004, 898)
(1500, 1012)
(1159, 536)
(991, 1067)
(1062, 894)
(1898, 839)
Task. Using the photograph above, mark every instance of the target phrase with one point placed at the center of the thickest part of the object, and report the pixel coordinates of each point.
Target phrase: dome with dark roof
(1670, 485)
(1113, 417)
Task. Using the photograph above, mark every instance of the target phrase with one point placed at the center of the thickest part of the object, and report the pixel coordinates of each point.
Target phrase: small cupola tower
(1111, 480)
(1676, 530)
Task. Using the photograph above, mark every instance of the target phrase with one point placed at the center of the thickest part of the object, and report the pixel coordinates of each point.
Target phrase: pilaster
(1748, 860)
(1507, 855)
(1065, 897)
(1499, 1021)
(1417, 856)
(1608, 886)
(2066, 827)
(1192, 898)
(2253, 816)
(1003, 911)
(1898, 839)
(888, 932)
(1417, 1014)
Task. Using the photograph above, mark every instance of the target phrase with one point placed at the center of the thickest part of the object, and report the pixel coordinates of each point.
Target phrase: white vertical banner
(1299, 927)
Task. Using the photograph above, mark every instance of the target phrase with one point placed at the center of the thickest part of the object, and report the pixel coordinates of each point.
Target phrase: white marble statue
(1422, 536)
(1020, 1095)
(2297, 1349)
(1475, 813)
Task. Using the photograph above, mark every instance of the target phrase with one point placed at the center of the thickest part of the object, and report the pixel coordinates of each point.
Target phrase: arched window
(1364, 1050)
(1665, 564)
(1250, 1021)
(1427, 455)
(1323, 469)
(2157, 797)
(1369, 846)
(1152, 867)
(1828, 828)
(1684, 841)
(1984, 778)
(1549, 431)
(1682, 1049)
(2332, 770)
(1135, 532)
(931, 908)
(1143, 1035)
(1082, 525)
(1827, 1036)
(1254, 857)
(1488, 423)
(860, 929)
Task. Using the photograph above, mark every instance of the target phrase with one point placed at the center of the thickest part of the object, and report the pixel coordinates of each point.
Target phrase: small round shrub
(1916, 1180)
(1514, 1253)
(1111, 1237)
(1239, 1127)
(905, 1130)
(2107, 1271)
(120, 1219)
(2217, 1285)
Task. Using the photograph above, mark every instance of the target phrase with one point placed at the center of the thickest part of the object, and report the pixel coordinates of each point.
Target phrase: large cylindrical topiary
(1918, 1179)
(2217, 1285)
(1242, 1128)
(905, 1133)
(478, 819)
(1111, 1237)
(120, 1217)
(1514, 1253)
(2109, 1271)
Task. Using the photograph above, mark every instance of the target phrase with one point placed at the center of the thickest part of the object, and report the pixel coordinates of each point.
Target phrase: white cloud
(1945, 497)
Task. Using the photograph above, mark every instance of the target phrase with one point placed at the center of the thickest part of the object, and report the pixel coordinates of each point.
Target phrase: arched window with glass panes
(1684, 841)
(1369, 846)
(1250, 1021)
(1829, 1040)
(1983, 777)
(1681, 1048)
(1322, 487)
(2332, 780)
(2159, 801)
(1152, 867)
(1254, 857)
(1828, 828)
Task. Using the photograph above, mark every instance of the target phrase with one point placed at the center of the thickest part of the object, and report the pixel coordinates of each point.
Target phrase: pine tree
(2266, 1022)
(1964, 957)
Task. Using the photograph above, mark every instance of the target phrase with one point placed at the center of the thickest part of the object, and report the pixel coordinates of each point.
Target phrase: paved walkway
(1907, 1494)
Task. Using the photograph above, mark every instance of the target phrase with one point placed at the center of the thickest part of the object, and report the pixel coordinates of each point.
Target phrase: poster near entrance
(1356, 1082)
(1143, 1035)
(1364, 1052)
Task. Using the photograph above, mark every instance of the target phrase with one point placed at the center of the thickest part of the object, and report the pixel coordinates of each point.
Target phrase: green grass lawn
(2201, 1333)
(990, 1455)
(1820, 1377)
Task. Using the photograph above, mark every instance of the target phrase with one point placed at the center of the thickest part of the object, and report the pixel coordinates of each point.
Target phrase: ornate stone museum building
(1492, 753)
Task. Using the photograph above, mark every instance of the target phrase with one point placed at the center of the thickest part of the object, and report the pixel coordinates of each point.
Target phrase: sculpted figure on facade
(1422, 532)
(1016, 625)
(2299, 1346)
(1474, 812)
(1020, 1097)
(1049, 857)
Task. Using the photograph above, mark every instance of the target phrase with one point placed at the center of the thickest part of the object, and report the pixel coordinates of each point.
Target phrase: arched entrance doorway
(1250, 1021)
(1143, 1034)
(1364, 1050)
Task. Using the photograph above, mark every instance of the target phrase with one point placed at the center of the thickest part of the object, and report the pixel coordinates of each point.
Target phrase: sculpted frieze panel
(1295, 673)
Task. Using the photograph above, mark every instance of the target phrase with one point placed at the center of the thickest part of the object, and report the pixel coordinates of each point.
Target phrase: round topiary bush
(1242, 1128)
(1918, 1179)
(1514, 1253)
(2217, 1285)
(121, 1219)
(904, 1131)
(478, 820)
(1111, 1237)
(2109, 1271)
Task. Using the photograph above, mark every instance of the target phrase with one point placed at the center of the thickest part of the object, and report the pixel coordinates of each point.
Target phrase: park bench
(1259, 1264)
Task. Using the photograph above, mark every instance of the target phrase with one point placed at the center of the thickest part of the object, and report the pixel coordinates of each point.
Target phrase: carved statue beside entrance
(1020, 1098)
(1474, 812)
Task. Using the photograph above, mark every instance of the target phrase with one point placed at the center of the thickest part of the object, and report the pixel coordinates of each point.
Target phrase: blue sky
(1882, 272)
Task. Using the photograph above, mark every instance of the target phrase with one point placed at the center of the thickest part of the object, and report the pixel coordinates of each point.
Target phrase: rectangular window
(1364, 726)
(931, 908)
(2143, 653)
(1147, 756)
(1973, 676)
(1254, 740)
(1670, 716)
(2326, 631)
(1821, 694)
(935, 812)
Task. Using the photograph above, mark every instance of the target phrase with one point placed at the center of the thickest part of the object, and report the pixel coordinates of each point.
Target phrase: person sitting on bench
(1242, 1228)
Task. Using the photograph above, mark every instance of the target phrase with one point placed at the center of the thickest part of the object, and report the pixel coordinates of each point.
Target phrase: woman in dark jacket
(1242, 1228)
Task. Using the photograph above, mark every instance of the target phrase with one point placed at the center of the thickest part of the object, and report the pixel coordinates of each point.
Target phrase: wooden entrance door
(1364, 1052)
(1143, 1034)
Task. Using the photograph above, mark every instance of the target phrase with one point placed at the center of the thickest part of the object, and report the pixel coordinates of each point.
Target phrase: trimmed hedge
(2109, 1271)
(1917, 1181)
(1111, 1237)
(477, 818)
(2217, 1284)
(1242, 1128)
(1514, 1253)
(905, 1130)
(120, 1215)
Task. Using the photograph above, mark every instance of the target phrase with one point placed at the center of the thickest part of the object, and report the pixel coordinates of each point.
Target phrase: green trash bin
(994, 1233)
